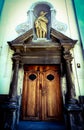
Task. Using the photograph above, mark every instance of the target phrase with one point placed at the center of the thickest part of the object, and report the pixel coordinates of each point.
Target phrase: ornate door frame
(54, 51)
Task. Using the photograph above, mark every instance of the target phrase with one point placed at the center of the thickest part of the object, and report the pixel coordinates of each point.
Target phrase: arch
(43, 7)
(34, 11)
(40, 2)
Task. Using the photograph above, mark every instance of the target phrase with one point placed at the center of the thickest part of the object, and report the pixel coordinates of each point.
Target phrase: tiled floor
(29, 125)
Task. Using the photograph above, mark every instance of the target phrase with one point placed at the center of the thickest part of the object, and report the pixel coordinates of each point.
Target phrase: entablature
(42, 50)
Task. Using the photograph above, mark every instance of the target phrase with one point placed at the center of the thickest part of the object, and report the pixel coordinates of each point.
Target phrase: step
(31, 125)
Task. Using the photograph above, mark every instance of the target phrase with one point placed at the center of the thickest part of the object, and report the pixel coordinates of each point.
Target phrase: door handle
(44, 91)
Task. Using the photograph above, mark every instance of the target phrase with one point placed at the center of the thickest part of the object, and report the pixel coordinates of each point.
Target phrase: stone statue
(41, 25)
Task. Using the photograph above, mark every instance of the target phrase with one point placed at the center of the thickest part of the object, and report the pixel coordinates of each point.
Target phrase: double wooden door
(41, 98)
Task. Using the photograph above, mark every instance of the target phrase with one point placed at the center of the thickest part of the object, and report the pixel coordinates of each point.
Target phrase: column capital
(16, 57)
(67, 55)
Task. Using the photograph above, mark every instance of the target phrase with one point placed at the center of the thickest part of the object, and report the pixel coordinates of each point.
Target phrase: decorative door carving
(42, 98)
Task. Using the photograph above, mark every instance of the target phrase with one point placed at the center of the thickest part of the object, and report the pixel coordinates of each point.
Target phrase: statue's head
(43, 13)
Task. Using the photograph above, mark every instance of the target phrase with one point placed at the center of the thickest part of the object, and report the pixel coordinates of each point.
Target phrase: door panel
(41, 93)
(30, 96)
(53, 95)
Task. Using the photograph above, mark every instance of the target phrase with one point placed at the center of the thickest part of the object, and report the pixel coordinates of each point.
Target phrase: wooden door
(41, 93)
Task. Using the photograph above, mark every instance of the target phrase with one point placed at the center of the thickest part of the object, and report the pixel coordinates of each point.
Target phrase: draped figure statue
(41, 25)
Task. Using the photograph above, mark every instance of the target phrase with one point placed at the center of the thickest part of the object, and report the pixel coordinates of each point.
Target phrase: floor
(29, 125)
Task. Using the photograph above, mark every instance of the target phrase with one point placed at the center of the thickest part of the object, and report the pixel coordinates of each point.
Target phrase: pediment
(56, 39)
(61, 37)
(22, 38)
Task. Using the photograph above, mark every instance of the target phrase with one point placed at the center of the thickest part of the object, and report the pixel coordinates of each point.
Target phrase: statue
(41, 25)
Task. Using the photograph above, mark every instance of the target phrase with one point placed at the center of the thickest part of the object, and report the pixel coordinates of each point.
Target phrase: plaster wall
(78, 76)
(15, 13)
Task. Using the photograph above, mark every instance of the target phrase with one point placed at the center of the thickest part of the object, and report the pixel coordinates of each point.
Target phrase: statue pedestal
(41, 40)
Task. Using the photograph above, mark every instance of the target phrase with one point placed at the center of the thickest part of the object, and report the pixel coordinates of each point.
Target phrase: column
(70, 85)
(11, 106)
(13, 87)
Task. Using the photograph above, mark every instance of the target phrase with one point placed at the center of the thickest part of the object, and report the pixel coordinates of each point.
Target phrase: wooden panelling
(42, 98)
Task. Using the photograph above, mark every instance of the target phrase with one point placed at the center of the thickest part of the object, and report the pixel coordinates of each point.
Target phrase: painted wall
(14, 13)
